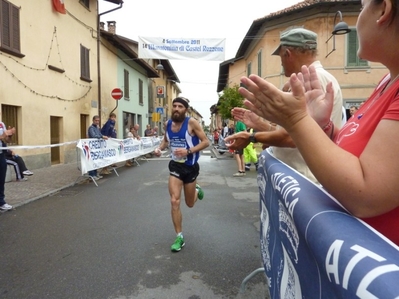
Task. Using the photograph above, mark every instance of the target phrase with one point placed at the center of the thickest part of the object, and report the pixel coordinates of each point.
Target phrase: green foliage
(230, 99)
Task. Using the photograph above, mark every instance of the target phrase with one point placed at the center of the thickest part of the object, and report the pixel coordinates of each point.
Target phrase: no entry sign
(117, 93)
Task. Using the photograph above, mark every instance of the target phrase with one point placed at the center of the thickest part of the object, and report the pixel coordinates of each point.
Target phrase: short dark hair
(95, 116)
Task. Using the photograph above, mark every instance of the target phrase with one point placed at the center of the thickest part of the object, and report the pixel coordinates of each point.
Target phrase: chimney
(111, 27)
(102, 25)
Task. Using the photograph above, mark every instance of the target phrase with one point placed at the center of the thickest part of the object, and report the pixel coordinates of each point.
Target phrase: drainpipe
(98, 53)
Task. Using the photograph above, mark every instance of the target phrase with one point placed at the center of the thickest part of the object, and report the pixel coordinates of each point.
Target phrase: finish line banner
(210, 49)
(99, 153)
(312, 247)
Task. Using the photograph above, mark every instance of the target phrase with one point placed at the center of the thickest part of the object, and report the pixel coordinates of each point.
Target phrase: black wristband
(252, 138)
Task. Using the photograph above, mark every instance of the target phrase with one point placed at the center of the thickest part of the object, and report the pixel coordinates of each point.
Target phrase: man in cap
(186, 140)
(298, 47)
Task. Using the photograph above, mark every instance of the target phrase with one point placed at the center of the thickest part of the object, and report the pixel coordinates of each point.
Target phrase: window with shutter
(10, 28)
(85, 3)
(353, 45)
(126, 85)
(249, 69)
(260, 63)
(141, 96)
(84, 64)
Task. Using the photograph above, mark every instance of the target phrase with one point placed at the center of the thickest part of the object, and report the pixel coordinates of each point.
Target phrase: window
(9, 28)
(9, 117)
(249, 69)
(260, 63)
(141, 96)
(353, 45)
(126, 84)
(85, 3)
(84, 64)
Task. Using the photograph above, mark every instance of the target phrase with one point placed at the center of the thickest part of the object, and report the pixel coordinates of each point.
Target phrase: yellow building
(49, 75)
(336, 53)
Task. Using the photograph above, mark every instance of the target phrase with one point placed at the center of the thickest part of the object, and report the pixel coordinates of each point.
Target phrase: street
(113, 241)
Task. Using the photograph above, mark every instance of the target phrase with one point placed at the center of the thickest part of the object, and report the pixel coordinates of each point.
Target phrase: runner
(186, 139)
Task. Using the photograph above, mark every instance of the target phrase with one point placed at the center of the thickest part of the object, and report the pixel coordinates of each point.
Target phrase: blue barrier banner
(312, 247)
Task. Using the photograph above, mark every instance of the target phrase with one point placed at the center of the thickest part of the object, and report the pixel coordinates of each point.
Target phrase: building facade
(338, 53)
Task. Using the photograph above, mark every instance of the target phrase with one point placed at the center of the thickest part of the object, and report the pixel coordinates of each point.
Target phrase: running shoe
(178, 244)
(200, 192)
(240, 173)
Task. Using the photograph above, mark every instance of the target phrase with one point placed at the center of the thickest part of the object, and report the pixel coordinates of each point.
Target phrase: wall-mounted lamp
(159, 67)
(339, 29)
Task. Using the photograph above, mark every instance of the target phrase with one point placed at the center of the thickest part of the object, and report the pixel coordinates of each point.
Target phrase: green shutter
(353, 46)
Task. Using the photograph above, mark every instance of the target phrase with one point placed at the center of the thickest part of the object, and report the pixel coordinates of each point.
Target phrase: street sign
(159, 110)
(117, 93)
(160, 92)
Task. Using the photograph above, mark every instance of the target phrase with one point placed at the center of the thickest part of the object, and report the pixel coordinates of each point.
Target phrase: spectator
(239, 152)
(148, 131)
(298, 47)
(356, 164)
(4, 137)
(155, 131)
(352, 110)
(231, 130)
(250, 155)
(108, 128)
(134, 132)
(95, 132)
(19, 165)
(225, 131)
(216, 137)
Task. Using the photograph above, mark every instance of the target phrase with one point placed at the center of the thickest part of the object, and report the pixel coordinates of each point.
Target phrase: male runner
(186, 139)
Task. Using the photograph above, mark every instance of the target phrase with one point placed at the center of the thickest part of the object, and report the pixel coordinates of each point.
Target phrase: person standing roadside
(109, 130)
(186, 139)
(250, 154)
(134, 132)
(298, 47)
(352, 110)
(155, 131)
(4, 136)
(148, 131)
(239, 152)
(94, 132)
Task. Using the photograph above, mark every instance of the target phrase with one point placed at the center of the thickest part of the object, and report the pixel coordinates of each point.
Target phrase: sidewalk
(43, 182)
(49, 180)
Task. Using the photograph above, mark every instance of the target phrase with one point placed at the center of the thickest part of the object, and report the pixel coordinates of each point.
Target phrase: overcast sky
(200, 19)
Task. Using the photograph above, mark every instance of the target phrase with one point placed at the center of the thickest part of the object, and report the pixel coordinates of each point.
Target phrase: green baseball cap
(297, 37)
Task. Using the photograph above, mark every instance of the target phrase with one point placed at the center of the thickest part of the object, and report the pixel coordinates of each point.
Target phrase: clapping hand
(288, 108)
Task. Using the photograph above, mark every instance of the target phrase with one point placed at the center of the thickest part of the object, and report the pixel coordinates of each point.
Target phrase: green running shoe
(178, 244)
(200, 192)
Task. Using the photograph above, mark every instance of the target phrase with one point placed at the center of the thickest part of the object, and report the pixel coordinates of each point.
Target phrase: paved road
(113, 241)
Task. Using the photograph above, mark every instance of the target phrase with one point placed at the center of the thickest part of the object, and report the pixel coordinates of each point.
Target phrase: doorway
(55, 133)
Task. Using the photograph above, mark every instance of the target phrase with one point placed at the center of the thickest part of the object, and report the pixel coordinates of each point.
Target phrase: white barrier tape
(39, 146)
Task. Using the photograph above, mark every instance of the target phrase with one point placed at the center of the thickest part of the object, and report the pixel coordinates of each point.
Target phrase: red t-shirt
(355, 134)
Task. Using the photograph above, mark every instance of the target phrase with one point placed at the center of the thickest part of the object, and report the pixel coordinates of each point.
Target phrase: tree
(230, 99)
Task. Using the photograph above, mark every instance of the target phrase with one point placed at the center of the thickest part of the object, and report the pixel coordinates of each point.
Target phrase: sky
(189, 19)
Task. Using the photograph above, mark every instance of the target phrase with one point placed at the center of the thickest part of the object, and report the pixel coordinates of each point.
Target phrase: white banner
(211, 49)
(99, 153)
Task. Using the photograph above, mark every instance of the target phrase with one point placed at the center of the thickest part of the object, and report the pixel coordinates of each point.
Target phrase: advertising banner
(210, 49)
(312, 247)
(99, 153)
